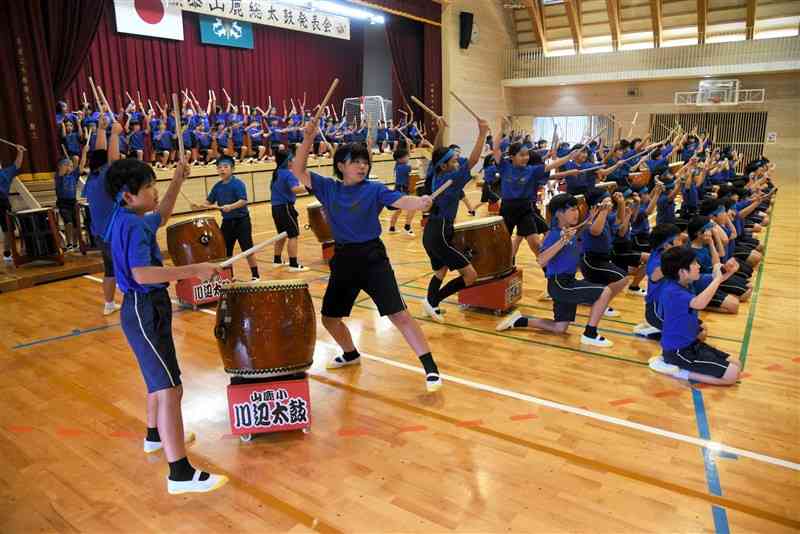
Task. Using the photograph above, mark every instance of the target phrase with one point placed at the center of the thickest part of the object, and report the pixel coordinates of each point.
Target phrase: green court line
(605, 319)
(751, 314)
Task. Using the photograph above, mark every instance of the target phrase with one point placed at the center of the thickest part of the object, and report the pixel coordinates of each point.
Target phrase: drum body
(37, 232)
(608, 187)
(195, 240)
(639, 179)
(419, 188)
(318, 222)
(266, 329)
(583, 210)
(488, 245)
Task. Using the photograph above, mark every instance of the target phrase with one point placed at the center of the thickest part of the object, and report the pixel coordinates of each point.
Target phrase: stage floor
(531, 432)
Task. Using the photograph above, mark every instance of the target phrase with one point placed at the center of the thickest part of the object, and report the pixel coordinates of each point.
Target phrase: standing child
(284, 188)
(559, 256)
(402, 172)
(66, 182)
(146, 315)
(685, 354)
(353, 204)
(229, 195)
(7, 175)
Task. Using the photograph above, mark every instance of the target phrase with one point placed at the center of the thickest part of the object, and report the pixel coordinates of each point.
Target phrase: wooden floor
(485, 454)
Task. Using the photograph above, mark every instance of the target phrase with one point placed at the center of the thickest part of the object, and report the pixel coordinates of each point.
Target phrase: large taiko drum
(639, 179)
(488, 245)
(195, 241)
(419, 188)
(38, 233)
(583, 210)
(318, 222)
(265, 329)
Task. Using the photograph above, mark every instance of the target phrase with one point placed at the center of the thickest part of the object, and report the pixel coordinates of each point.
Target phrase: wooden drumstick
(469, 110)
(105, 101)
(15, 145)
(94, 91)
(226, 94)
(441, 189)
(425, 108)
(176, 112)
(252, 250)
(326, 99)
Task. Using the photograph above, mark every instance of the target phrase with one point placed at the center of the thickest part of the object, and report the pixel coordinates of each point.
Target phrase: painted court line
(708, 444)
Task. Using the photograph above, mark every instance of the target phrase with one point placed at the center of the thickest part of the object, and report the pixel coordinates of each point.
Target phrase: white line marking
(713, 446)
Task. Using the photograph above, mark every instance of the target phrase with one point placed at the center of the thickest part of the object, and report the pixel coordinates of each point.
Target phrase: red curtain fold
(427, 9)
(405, 39)
(69, 33)
(283, 64)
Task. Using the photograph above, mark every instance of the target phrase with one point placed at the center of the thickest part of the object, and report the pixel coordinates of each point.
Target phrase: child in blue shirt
(437, 238)
(559, 256)
(66, 183)
(7, 175)
(146, 314)
(685, 354)
(663, 237)
(353, 205)
(402, 176)
(283, 188)
(229, 195)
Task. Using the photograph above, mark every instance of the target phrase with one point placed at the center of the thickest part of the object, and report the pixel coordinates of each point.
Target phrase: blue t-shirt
(703, 257)
(641, 222)
(133, 244)
(401, 174)
(599, 244)
(566, 261)
(681, 324)
(203, 140)
(353, 210)
(665, 209)
(281, 188)
(580, 183)
(101, 205)
(7, 175)
(163, 140)
(66, 185)
(224, 193)
(691, 196)
(446, 205)
(520, 182)
(73, 143)
(136, 140)
(653, 286)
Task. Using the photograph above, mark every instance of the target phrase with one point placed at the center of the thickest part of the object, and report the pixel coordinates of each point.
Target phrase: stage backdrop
(282, 64)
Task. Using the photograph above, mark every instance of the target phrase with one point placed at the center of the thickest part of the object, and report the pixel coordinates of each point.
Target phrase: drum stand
(83, 222)
(264, 405)
(498, 294)
(192, 292)
(56, 254)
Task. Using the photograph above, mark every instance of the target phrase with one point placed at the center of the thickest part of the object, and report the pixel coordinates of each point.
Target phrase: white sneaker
(196, 485)
(641, 292)
(598, 341)
(298, 269)
(255, 279)
(8, 258)
(645, 330)
(611, 312)
(339, 362)
(153, 446)
(110, 307)
(433, 385)
(508, 322)
(409, 231)
(657, 364)
(431, 311)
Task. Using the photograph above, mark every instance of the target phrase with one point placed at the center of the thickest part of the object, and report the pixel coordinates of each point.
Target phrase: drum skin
(488, 245)
(196, 240)
(318, 222)
(266, 329)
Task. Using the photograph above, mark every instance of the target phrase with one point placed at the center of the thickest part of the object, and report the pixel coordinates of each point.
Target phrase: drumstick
(130, 98)
(94, 91)
(425, 108)
(226, 94)
(177, 113)
(105, 101)
(252, 250)
(469, 110)
(441, 189)
(326, 99)
(13, 144)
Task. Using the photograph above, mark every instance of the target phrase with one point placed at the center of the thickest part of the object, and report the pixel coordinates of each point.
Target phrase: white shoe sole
(508, 322)
(199, 486)
(333, 364)
(596, 342)
(611, 313)
(430, 311)
(155, 446)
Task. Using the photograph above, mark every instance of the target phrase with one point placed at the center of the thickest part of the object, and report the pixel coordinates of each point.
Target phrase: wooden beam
(537, 21)
(614, 22)
(574, 17)
(655, 16)
(702, 20)
(751, 19)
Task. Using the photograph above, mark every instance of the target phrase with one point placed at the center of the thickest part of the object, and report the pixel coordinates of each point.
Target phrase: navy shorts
(599, 269)
(105, 250)
(147, 322)
(361, 266)
(5, 207)
(66, 208)
(699, 358)
(285, 218)
(652, 315)
(437, 238)
(567, 292)
(239, 229)
(519, 213)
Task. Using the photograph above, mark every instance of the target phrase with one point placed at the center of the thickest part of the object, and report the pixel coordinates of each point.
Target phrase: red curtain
(405, 43)
(282, 64)
(432, 75)
(427, 9)
(69, 33)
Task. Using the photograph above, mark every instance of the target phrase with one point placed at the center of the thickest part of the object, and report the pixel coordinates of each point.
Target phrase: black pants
(239, 229)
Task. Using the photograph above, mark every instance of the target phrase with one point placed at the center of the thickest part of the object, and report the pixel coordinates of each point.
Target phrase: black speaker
(465, 18)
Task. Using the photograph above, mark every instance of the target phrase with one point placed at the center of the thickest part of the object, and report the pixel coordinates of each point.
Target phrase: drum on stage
(318, 222)
(38, 236)
(583, 210)
(266, 329)
(195, 240)
(488, 245)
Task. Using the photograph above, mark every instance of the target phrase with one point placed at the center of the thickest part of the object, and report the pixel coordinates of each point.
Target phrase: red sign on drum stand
(257, 407)
(194, 292)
